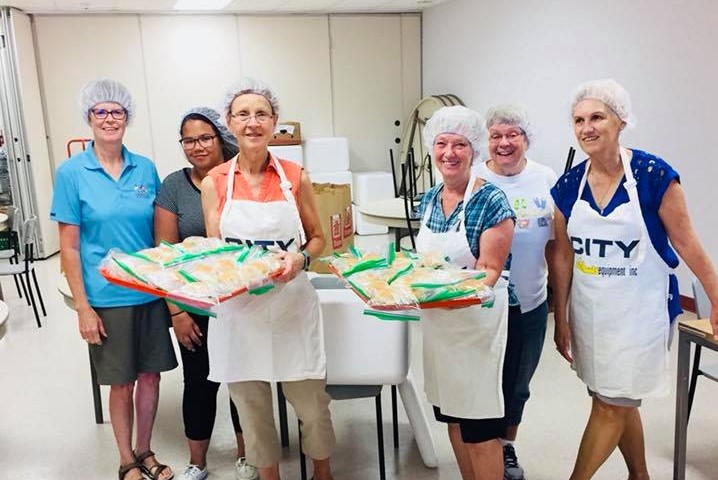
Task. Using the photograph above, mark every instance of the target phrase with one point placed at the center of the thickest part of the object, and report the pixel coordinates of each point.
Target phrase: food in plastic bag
(407, 280)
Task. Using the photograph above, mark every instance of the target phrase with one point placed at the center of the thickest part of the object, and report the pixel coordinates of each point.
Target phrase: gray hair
(105, 90)
(510, 114)
(611, 93)
(250, 85)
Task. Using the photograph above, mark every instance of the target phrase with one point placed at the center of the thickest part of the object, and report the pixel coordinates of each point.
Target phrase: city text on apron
(618, 300)
(463, 348)
(275, 336)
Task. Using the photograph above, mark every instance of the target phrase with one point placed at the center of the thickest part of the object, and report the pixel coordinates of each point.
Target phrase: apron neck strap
(286, 187)
(461, 217)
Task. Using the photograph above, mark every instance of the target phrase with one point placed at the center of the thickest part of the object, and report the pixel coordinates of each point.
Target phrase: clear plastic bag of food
(374, 287)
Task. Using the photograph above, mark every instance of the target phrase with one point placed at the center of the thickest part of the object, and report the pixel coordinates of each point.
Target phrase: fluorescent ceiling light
(201, 4)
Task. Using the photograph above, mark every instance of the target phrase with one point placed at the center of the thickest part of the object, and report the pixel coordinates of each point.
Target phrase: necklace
(610, 189)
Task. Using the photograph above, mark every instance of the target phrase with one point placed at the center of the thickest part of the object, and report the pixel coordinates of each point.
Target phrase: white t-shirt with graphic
(529, 195)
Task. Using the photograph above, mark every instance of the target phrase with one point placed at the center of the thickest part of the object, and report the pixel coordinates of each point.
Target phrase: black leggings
(199, 402)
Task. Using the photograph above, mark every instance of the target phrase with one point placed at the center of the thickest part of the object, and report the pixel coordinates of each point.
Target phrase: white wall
(536, 53)
(342, 75)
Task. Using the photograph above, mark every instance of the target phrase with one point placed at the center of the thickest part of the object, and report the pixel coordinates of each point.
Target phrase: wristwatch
(307, 259)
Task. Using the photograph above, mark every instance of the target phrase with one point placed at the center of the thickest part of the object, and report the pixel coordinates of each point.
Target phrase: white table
(390, 213)
(4, 315)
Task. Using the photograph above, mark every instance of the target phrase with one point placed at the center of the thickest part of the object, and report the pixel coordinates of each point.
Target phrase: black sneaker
(512, 469)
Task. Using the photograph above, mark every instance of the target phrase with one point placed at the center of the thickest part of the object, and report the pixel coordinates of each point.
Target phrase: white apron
(463, 348)
(276, 336)
(618, 300)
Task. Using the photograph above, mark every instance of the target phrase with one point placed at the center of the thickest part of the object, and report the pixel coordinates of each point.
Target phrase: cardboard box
(287, 133)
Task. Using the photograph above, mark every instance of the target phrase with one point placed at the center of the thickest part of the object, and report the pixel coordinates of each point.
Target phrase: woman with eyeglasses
(527, 185)
(277, 336)
(206, 143)
(104, 199)
(621, 217)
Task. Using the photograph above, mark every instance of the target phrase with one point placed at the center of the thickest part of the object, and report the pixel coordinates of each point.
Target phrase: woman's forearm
(70, 259)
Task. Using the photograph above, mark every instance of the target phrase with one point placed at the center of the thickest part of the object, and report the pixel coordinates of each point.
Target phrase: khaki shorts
(138, 341)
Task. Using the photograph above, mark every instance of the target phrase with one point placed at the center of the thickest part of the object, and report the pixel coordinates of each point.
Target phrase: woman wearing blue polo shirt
(614, 292)
(104, 199)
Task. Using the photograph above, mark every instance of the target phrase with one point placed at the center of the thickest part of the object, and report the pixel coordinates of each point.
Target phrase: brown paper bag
(334, 206)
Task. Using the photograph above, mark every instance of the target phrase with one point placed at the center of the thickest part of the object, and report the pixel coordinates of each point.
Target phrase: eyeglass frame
(511, 136)
(110, 113)
(197, 140)
(235, 116)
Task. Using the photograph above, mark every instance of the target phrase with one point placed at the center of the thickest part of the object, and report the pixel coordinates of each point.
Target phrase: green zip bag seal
(392, 317)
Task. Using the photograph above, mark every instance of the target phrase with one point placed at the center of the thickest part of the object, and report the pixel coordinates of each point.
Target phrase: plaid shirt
(487, 207)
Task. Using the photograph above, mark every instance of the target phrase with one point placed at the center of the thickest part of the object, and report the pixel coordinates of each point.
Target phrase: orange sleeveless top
(270, 190)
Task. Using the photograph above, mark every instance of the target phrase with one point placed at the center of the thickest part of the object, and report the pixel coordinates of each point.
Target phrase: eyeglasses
(204, 141)
(243, 117)
(511, 136)
(102, 113)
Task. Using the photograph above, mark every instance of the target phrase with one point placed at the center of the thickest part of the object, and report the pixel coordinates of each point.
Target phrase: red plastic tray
(191, 301)
(458, 303)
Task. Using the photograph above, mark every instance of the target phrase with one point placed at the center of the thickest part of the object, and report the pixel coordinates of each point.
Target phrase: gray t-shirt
(180, 196)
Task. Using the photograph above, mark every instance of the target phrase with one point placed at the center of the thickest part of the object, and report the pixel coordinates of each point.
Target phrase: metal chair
(703, 310)
(347, 392)
(10, 246)
(26, 267)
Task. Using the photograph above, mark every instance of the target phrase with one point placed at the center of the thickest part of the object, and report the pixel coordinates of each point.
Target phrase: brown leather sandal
(125, 469)
(155, 469)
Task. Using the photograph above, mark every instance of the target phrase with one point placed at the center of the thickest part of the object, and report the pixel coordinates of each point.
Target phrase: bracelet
(307, 260)
(176, 313)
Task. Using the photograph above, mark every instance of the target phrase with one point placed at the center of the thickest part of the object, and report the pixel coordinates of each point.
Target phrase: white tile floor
(47, 428)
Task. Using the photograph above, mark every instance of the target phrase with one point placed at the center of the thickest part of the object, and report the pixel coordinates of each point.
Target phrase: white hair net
(251, 85)
(105, 90)
(458, 120)
(211, 116)
(609, 92)
(510, 114)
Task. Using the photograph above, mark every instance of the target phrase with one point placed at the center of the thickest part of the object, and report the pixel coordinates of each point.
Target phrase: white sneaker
(245, 471)
(193, 472)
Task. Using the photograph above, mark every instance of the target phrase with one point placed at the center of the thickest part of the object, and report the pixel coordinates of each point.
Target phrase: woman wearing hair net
(206, 143)
(527, 185)
(615, 294)
(103, 199)
(469, 353)
(276, 336)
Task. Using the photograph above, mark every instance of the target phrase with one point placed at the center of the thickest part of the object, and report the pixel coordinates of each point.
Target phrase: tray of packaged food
(390, 280)
(197, 273)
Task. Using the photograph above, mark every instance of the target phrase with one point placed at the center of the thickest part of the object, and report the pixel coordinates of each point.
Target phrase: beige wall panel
(366, 70)
(190, 61)
(76, 49)
(410, 62)
(291, 54)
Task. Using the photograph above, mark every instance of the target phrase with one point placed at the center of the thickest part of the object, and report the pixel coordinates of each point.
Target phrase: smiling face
(108, 129)
(252, 121)
(453, 155)
(507, 146)
(596, 126)
(202, 157)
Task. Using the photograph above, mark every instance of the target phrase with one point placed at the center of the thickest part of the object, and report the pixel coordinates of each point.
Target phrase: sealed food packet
(408, 280)
(196, 273)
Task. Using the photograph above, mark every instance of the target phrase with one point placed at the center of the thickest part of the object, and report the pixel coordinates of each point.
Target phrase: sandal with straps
(155, 470)
(125, 469)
